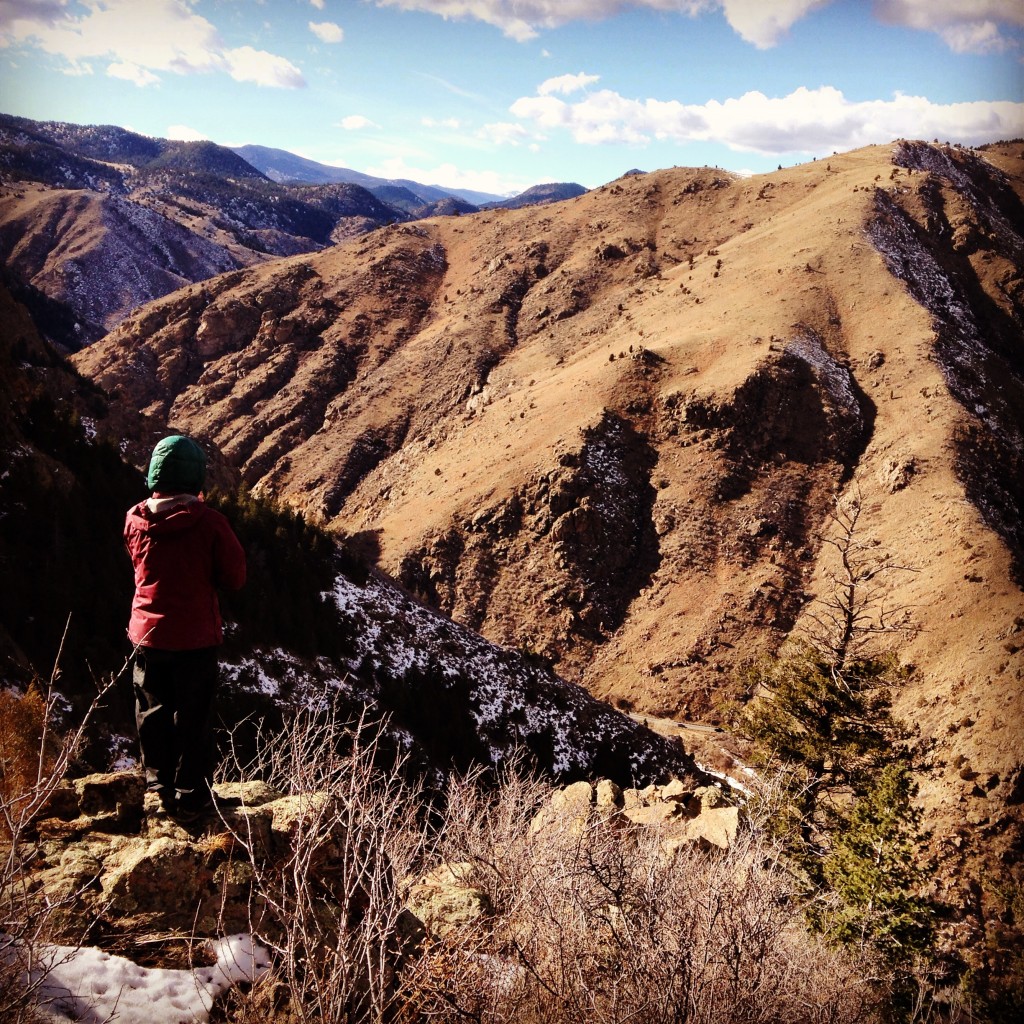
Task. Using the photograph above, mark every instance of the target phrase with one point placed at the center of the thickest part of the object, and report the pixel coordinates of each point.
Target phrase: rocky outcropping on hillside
(467, 702)
(972, 236)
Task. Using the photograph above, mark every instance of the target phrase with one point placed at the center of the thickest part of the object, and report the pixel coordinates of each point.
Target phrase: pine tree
(873, 868)
(821, 717)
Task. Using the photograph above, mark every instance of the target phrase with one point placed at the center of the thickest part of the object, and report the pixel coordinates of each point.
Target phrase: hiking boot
(188, 812)
(158, 802)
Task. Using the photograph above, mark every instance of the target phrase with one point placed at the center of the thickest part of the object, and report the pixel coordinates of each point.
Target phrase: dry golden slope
(611, 430)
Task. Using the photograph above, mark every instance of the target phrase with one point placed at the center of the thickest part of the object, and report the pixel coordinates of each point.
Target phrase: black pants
(173, 695)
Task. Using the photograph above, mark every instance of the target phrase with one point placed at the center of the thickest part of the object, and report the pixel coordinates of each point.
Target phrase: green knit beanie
(177, 466)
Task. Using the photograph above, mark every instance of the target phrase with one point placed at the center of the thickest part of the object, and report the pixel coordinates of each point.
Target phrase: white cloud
(318, 4)
(149, 35)
(450, 176)
(761, 22)
(248, 65)
(76, 69)
(161, 35)
(504, 133)
(972, 26)
(326, 31)
(183, 133)
(811, 121)
(977, 37)
(356, 122)
(966, 27)
(566, 84)
(521, 19)
(765, 22)
(132, 73)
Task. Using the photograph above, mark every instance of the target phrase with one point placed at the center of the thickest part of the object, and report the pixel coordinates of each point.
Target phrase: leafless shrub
(599, 920)
(589, 917)
(855, 609)
(328, 905)
(30, 773)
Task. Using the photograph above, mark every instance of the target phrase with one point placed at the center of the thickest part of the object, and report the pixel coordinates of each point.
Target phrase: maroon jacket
(181, 553)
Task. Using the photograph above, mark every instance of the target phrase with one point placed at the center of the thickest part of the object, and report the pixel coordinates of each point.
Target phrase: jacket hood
(177, 464)
(167, 515)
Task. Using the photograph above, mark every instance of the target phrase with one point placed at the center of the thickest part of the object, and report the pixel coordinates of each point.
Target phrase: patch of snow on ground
(76, 984)
(444, 647)
(961, 351)
(834, 377)
(277, 671)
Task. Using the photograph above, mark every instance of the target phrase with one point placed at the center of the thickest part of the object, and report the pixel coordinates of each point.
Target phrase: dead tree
(846, 621)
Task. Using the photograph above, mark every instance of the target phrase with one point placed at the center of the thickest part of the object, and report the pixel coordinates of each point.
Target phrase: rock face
(680, 813)
(107, 855)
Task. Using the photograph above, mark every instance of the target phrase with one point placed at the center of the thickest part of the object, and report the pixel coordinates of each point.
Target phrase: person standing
(182, 551)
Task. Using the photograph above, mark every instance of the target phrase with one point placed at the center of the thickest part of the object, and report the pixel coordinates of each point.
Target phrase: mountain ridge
(139, 217)
(289, 168)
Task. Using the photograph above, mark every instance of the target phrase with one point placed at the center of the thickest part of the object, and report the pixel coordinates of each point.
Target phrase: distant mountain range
(288, 169)
(96, 220)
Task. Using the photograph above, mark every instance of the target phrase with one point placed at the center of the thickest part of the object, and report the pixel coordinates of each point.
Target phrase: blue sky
(498, 95)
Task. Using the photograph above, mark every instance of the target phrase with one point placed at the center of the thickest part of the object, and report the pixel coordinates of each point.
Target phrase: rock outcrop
(105, 854)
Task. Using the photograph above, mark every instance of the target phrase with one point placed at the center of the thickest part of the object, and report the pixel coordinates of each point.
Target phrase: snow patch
(75, 983)
(276, 673)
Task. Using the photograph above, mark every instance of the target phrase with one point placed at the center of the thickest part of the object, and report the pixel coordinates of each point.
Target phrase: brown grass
(23, 757)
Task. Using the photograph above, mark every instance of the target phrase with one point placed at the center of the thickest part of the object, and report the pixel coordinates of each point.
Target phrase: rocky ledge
(114, 865)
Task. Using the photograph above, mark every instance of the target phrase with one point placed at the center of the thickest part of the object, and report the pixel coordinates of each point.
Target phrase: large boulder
(681, 812)
(446, 901)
